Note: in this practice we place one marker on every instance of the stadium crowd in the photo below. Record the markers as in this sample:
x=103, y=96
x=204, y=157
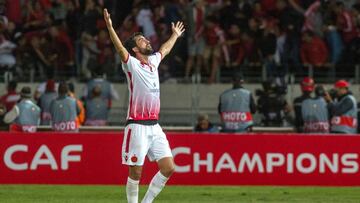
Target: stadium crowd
x=69, y=38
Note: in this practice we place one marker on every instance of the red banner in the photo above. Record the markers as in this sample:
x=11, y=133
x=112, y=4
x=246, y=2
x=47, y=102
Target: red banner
x=201, y=159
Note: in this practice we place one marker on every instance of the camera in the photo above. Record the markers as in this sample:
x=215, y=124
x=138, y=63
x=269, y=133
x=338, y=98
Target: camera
x=320, y=91
x=270, y=88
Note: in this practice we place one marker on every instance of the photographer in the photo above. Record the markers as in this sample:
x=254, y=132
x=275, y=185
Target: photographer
x=344, y=110
x=236, y=107
x=307, y=87
x=272, y=104
x=315, y=114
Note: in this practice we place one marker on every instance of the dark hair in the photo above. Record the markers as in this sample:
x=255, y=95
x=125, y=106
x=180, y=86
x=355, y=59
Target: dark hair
x=130, y=43
x=96, y=91
x=12, y=85
x=98, y=71
x=63, y=88
x=320, y=91
x=71, y=87
x=238, y=76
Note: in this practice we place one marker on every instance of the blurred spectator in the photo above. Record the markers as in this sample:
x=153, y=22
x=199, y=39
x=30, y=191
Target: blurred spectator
x=11, y=97
x=41, y=88
x=64, y=111
x=344, y=110
x=97, y=109
x=91, y=14
x=25, y=115
x=105, y=57
x=215, y=47
x=345, y=22
x=334, y=42
x=287, y=16
x=108, y=91
x=232, y=13
x=313, y=50
x=204, y=125
x=3, y=125
x=267, y=47
x=58, y=10
x=7, y=58
x=36, y=17
x=14, y=10
x=64, y=50
x=80, y=119
x=307, y=87
x=45, y=100
x=196, y=13
x=73, y=19
x=236, y=107
x=89, y=21
x=313, y=19
x=144, y=20
x=128, y=27
x=42, y=56
x=315, y=113
x=272, y=105
x=236, y=50
x=252, y=58
x=90, y=52
x=356, y=14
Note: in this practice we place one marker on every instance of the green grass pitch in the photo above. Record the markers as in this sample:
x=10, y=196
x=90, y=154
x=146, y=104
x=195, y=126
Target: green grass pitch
x=177, y=194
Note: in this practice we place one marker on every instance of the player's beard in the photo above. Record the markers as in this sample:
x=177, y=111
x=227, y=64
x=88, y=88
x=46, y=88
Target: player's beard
x=146, y=51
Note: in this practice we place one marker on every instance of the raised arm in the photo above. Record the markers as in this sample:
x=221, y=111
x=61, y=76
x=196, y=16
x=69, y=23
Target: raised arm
x=124, y=54
x=177, y=30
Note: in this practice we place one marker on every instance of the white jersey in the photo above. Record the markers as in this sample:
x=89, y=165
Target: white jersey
x=144, y=89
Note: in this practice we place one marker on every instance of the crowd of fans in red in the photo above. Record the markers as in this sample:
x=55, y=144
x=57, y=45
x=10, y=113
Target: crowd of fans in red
x=68, y=38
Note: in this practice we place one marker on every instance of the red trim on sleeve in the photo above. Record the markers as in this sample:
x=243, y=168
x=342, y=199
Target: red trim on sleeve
x=161, y=56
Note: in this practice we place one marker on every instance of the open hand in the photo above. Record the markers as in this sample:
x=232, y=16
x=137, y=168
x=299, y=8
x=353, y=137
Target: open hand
x=107, y=18
x=178, y=28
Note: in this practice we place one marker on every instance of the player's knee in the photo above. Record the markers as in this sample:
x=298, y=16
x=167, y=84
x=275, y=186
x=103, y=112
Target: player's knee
x=168, y=171
x=135, y=174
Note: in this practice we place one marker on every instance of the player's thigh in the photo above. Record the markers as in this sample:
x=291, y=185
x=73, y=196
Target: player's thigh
x=135, y=145
x=159, y=147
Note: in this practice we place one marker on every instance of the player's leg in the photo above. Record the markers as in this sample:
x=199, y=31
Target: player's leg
x=161, y=152
x=135, y=147
x=166, y=166
x=132, y=184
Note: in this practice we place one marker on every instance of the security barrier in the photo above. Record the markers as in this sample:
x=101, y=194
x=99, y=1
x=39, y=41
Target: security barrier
x=201, y=159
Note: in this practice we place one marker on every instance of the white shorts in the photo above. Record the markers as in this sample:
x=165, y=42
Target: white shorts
x=141, y=140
